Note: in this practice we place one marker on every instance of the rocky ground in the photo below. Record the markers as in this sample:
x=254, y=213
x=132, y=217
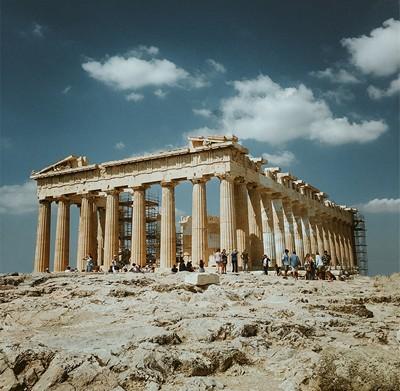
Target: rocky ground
x=154, y=332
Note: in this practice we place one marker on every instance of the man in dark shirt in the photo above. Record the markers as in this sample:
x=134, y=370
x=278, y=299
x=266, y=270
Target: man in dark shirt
x=234, y=258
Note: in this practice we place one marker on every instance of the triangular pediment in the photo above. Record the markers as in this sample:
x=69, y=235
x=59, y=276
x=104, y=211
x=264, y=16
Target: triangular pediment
x=67, y=163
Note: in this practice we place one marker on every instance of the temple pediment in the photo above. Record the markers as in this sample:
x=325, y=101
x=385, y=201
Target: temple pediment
x=67, y=163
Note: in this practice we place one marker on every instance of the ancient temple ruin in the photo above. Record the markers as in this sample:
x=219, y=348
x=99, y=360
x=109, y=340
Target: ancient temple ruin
x=262, y=209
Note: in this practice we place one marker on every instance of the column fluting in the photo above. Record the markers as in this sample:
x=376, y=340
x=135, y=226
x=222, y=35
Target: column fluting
x=288, y=225
x=255, y=227
x=138, y=242
x=268, y=226
x=85, y=229
x=61, y=248
x=279, y=230
x=242, y=218
x=101, y=224
x=227, y=214
x=168, y=229
x=111, y=232
x=42, y=252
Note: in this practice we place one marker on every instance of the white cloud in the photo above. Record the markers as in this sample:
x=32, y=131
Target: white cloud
x=265, y=111
x=377, y=54
x=66, y=90
x=284, y=158
x=37, y=30
x=144, y=50
x=218, y=67
x=339, y=76
x=377, y=93
x=160, y=93
x=119, y=145
x=383, y=205
x=339, y=96
x=18, y=199
x=203, y=113
x=133, y=73
x=134, y=97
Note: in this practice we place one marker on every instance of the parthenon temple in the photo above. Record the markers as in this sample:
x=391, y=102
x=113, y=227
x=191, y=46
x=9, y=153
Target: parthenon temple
x=262, y=209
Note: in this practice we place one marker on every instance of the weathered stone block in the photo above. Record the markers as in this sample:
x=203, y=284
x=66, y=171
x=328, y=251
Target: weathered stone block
x=202, y=278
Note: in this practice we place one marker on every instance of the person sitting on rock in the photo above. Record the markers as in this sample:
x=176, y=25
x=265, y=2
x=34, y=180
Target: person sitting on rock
x=201, y=266
x=189, y=267
x=68, y=269
x=182, y=266
x=174, y=269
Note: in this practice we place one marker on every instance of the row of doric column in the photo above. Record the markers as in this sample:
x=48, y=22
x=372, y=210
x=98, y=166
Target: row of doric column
x=251, y=218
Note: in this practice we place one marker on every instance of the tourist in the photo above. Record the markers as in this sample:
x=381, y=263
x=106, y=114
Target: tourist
x=285, y=262
x=68, y=269
x=320, y=267
x=189, y=266
x=307, y=266
x=89, y=263
x=182, y=266
x=217, y=259
x=294, y=264
x=265, y=262
x=224, y=261
x=277, y=269
x=245, y=260
x=326, y=259
x=234, y=258
x=174, y=269
x=47, y=270
x=201, y=266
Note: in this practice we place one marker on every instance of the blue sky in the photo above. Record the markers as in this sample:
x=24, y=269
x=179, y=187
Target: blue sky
x=313, y=86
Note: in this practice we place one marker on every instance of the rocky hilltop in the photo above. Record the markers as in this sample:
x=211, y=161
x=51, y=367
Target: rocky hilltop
x=154, y=332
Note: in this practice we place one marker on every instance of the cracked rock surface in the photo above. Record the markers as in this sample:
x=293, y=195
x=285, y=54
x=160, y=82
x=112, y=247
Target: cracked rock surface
x=154, y=332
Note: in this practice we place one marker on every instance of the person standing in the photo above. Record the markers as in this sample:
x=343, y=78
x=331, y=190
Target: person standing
x=245, y=260
x=265, y=261
x=217, y=258
x=201, y=266
x=224, y=261
x=294, y=264
x=285, y=262
x=320, y=267
x=234, y=258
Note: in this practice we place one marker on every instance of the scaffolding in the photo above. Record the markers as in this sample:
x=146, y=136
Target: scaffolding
x=152, y=226
x=360, y=241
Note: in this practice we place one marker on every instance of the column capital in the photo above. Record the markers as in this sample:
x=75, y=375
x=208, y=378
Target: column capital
x=202, y=179
x=140, y=187
x=46, y=201
x=253, y=186
x=168, y=183
x=226, y=176
x=63, y=198
x=112, y=191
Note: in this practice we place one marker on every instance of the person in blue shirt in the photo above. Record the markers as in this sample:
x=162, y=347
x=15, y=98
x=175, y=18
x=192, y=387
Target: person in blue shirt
x=294, y=264
x=285, y=262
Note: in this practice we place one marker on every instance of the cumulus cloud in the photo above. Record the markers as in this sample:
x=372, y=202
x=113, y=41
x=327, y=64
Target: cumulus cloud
x=377, y=54
x=378, y=93
x=283, y=158
x=119, y=145
x=339, y=76
x=134, y=97
x=382, y=205
x=217, y=67
x=18, y=199
x=139, y=68
x=203, y=113
x=160, y=93
x=339, y=96
x=265, y=111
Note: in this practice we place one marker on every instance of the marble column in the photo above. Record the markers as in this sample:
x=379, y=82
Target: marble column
x=242, y=218
x=342, y=245
x=199, y=222
x=93, y=232
x=268, y=226
x=350, y=236
x=279, y=230
x=313, y=235
x=227, y=214
x=111, y=231
x=332, y=246
x=320, y=236
x=85, y=228
x=298, y=234
x=325, y=233
x=61, y=251
x=288, y=224
x=101, y=224
x=339, y=257
x=138, y=242
x=255, y=227
x=168, y=229
x=305, y=229
x=42, y=253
